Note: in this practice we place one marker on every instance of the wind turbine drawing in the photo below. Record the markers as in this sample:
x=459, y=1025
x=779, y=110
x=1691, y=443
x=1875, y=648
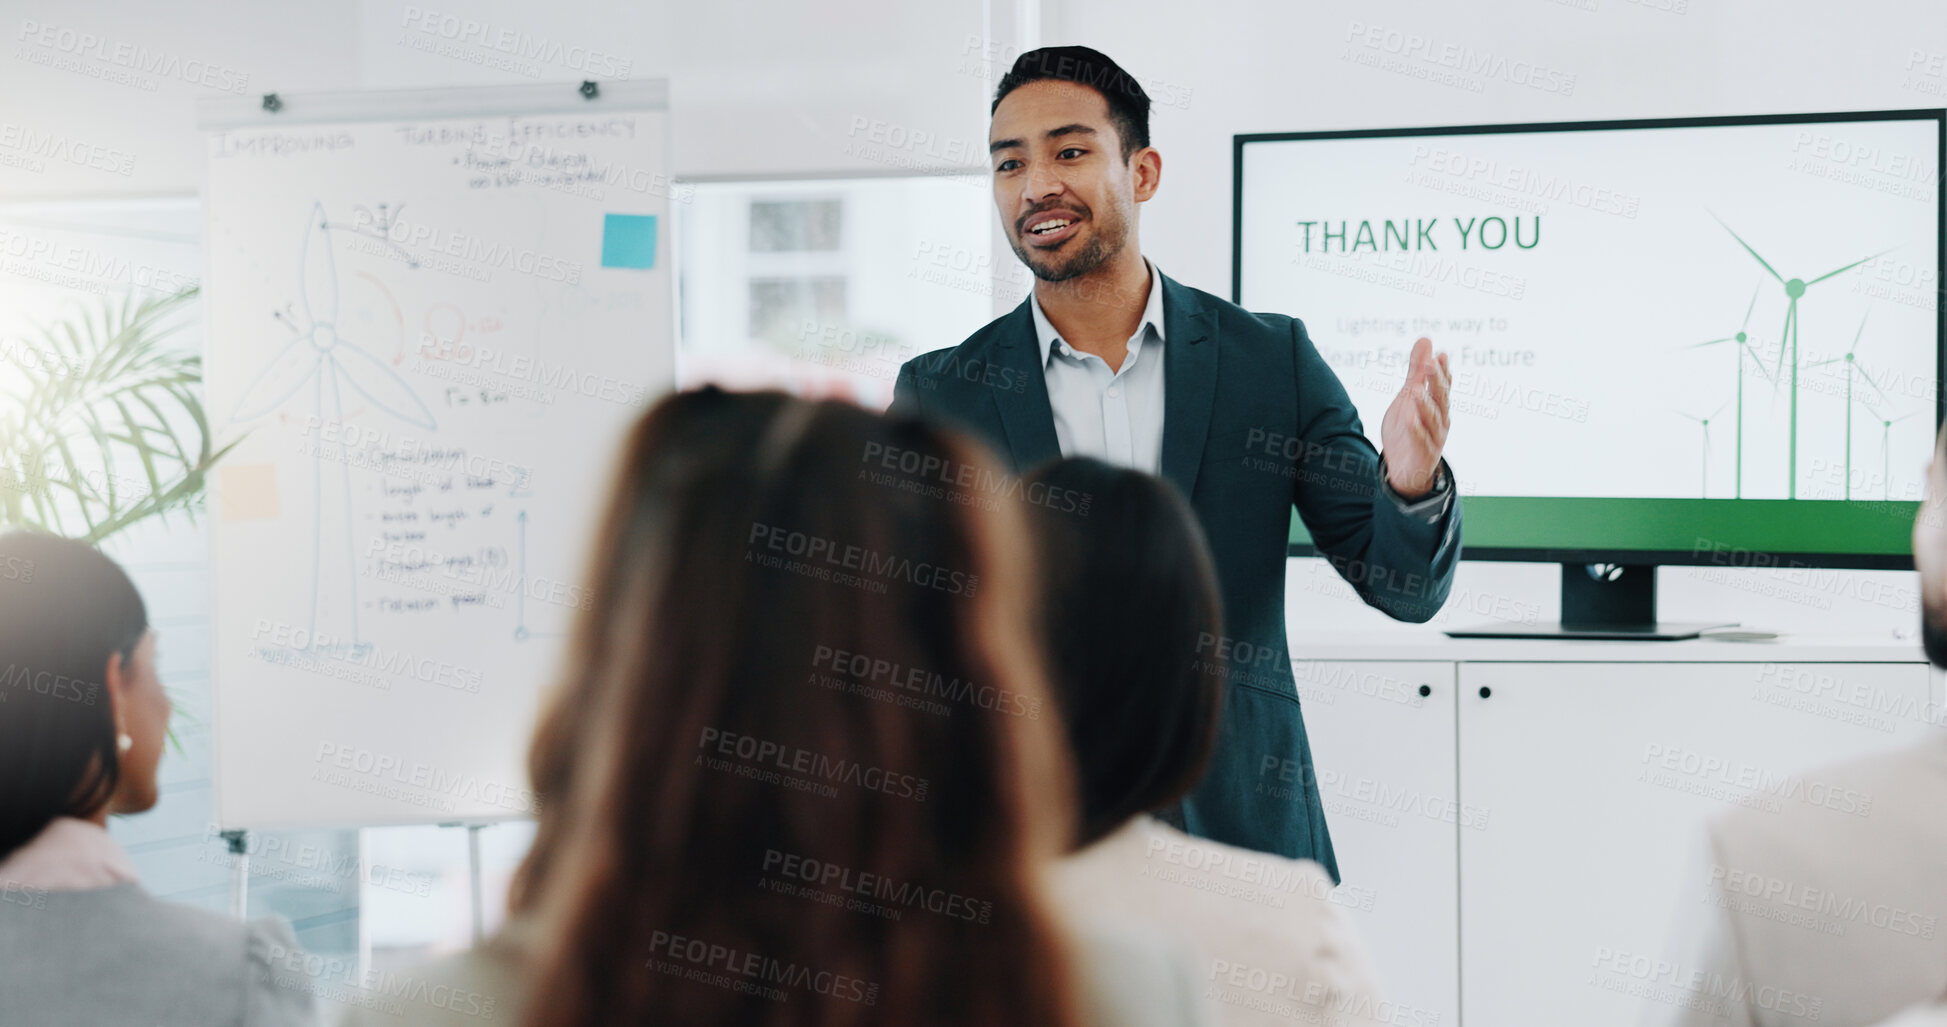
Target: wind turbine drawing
x=1744, y=344
x=327, y=361
x=1704, y=423
x=1854, y=370
x=1788, y=338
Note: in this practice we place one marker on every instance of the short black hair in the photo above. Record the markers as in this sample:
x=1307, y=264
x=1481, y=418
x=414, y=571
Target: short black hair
x=1128, y=104
x=64, y=609
x=1128, y=600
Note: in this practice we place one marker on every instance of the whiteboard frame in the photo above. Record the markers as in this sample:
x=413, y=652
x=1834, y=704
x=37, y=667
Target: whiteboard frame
x=216, y=113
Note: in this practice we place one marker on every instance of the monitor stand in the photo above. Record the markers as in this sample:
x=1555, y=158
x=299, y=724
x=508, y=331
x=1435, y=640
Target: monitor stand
x=1601, y=601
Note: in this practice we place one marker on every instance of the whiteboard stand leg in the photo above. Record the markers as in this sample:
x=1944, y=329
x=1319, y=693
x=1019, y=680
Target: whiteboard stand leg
x=473, y=871
x=239, y=842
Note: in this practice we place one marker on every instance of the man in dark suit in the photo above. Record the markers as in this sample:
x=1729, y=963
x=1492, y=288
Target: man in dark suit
x=1110, y=358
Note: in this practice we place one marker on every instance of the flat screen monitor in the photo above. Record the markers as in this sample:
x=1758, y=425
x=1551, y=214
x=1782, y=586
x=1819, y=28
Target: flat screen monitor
x=1698, y=340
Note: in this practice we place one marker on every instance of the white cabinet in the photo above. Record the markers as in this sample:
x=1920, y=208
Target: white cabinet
x=1593, y=780
x=1498, y=851
x=1384, y=754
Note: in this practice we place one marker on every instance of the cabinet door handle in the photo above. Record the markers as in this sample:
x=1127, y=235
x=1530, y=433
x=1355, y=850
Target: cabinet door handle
x=1486, y=691
x=1426, y=690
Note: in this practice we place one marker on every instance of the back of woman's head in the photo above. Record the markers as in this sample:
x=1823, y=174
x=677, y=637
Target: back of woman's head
x=64, y=608
x=775, y=787
x=1131, y=619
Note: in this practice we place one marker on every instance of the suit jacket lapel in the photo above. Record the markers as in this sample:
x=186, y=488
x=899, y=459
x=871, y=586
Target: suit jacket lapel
x=1190, y=382
x=1027, y=417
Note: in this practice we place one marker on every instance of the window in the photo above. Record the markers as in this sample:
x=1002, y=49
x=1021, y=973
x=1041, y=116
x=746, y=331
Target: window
x=825, y=288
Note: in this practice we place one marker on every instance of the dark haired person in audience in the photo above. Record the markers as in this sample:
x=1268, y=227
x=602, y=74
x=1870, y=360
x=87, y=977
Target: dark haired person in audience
x=799, y=768
x=83, y=719
x=1833, y=909
x=1128, y=609
x=1110, y=358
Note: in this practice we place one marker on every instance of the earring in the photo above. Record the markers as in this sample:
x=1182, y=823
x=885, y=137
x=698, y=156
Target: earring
x=124, y=743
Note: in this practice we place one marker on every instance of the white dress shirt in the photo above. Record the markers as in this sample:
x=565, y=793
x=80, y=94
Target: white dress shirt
x=1113, y=415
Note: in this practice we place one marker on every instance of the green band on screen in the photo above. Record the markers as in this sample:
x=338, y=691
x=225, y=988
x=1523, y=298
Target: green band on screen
x=1858, y=527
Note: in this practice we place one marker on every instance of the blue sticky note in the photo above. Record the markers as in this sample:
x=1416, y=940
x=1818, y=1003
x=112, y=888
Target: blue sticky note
x=629, y=240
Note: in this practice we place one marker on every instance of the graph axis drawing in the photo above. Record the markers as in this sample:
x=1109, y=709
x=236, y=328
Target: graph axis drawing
x=319, y=356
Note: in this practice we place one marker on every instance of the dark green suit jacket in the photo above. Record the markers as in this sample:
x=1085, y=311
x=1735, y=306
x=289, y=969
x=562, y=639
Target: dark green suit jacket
x=1254, y=422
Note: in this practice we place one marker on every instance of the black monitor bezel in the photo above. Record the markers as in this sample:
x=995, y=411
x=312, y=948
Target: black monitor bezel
x=1675, y=557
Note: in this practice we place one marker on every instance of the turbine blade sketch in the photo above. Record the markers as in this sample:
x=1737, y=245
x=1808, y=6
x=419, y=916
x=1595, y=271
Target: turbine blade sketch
x=319, y=272
x=1848, y=267
x=380, y=384
x=279, y=380
x=1753, y=306
x=1791, y=319
x=1747, y=248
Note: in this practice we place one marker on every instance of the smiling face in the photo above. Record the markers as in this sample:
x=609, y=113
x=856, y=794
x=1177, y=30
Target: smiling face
x=1067, y=198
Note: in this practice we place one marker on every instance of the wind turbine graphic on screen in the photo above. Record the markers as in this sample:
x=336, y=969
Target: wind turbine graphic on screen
x=329, y=363
x=1744, y=344
x=1885, y=453
x=1704, y=423
x=1788, y=339
x=1853, y=370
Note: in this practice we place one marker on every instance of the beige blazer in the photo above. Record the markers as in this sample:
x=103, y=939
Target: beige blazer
x=1268, y=944
x=1127, y=980
x=1830, y=910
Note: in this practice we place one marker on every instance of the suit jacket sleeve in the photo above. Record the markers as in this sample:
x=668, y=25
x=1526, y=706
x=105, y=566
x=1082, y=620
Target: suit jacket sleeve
x=1397, y=562
x=905, y=390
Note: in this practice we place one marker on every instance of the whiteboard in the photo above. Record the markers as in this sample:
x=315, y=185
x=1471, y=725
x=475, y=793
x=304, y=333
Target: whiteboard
x=431, y=318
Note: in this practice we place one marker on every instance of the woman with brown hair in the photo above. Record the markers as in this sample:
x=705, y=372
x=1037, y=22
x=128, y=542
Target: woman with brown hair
x=801, y=767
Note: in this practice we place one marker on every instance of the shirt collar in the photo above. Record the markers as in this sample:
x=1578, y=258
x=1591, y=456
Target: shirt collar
x=1045, y=334
x=70, y=854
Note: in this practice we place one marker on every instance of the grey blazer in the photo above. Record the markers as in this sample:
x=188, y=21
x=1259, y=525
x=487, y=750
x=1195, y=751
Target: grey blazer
x=120, y=956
